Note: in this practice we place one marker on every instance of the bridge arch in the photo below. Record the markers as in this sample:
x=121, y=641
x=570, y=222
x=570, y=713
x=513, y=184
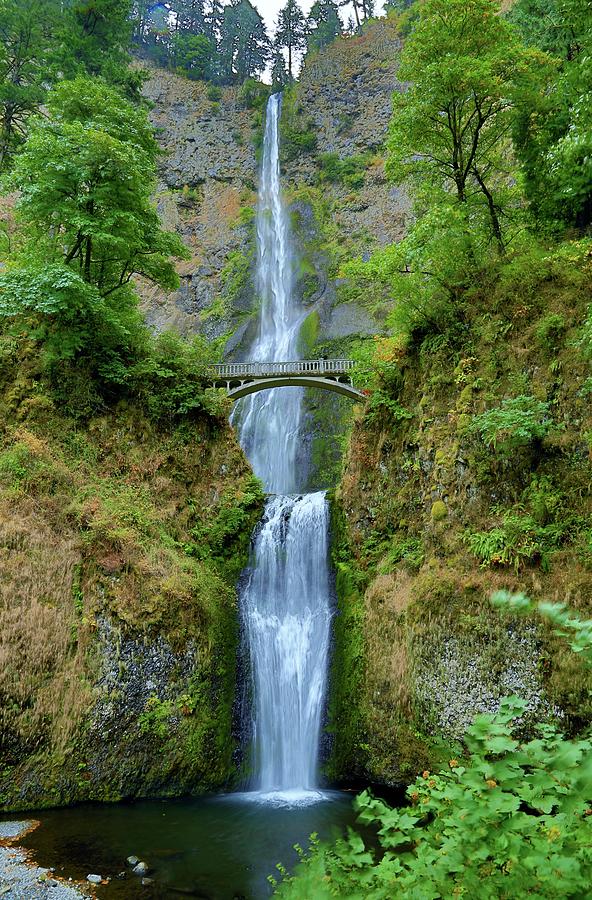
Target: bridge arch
x=264, y=384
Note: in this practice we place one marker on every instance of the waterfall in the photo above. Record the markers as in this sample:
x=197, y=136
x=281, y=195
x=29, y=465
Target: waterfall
x=285, y=598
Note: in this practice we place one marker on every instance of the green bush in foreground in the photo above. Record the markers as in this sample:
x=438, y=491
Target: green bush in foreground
x=513, y=819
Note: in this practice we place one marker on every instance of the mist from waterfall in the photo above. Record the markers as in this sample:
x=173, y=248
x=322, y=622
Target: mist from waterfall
x=285, y=600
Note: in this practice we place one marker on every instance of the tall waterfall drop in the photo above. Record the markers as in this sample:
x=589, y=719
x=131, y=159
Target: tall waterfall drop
x=285, y=602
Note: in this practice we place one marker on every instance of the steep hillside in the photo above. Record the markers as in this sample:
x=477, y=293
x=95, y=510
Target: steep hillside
x=429, y=521
x=122, y=536
x=334, y=125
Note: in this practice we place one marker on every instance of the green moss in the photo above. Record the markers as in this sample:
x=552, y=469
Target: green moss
x=439, y=511
x=309, y=333
x=345, y=714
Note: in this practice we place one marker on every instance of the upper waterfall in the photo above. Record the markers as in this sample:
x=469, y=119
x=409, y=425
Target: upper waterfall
x=270, y=421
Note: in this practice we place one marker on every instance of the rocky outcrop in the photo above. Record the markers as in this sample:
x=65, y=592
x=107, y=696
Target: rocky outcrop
x=208, y=175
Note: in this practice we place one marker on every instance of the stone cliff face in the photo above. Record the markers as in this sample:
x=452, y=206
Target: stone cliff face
x=208, y=180
x=209, y=175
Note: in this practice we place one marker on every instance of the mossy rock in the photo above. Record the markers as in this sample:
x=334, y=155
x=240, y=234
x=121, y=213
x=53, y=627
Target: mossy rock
x=439, y=511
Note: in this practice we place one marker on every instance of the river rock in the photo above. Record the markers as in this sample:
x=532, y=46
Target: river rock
x=94, y=879
x=140, y=869
x=133, y=860
x=147, y=881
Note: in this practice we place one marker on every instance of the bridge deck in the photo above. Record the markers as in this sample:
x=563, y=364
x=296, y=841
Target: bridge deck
x=273, y=369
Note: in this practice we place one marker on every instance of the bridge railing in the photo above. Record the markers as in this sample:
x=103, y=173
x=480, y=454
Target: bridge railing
x=296, y=367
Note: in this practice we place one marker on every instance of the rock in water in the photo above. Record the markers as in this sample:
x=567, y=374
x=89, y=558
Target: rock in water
x=94, y=879
x=140, y=869
x=132, y=860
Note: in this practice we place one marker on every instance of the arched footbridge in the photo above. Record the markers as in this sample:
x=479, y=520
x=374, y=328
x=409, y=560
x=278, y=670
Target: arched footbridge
x=241, y=379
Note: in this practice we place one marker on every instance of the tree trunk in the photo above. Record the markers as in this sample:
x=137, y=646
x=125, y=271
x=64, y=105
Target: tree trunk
x=495, y=223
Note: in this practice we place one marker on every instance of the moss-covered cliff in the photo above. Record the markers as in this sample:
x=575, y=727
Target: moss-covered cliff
x=440, y=504
x=121, y=540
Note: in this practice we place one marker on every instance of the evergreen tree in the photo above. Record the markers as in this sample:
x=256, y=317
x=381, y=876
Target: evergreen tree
x=279, y=73
x=244, y=44
x=291, y=31
x=213, y=18
x=189, y=16
x=96, y=38
x=324, y=24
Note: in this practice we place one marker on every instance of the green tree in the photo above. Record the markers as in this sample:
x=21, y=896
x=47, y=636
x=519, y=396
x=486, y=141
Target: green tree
x=554, y=134
x=244, y=45
x=93, y=37
x=324, y=24
x=85, y=176
x=279, y=73
x=25, y=30
x=451, y=128
x=193, y=55
x=291, y=31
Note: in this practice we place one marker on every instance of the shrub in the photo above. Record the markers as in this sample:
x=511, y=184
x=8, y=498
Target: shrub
x=253, y=94
x=549, y=330
x=518, y=540
x=171, y=379
x=349, y=171
x=518, y=422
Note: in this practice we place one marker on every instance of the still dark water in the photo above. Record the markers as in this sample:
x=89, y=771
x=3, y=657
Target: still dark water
x=217, y=848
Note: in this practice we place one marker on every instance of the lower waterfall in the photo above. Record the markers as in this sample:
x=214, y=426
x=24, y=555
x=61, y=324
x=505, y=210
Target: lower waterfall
x=287, y=616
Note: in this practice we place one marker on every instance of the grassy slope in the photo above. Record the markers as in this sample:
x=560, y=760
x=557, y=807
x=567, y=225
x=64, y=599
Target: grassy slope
x=115, y=520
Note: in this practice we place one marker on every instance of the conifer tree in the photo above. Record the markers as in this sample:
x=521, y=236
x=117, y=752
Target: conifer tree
x=324, y=24
x=291, y=31
x=244, y=43
x=279, y=73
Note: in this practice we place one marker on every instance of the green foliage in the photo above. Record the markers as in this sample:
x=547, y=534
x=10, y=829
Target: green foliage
x=86, y=176
x=214, y=93
x=324, y=25
x=253, y=94
x=290, y=33
x=349, y=172
x=409, y=551
x=380, y=406
x=155, y=719
x=220, y=537
x=512, y=819
x=45, y=41
x=518, y=422
x=425, y=273
x=549, y=331
x=553, y=134
x=171, y=377
x=449, y=130
x=296, y=142
x=193, y=55
x=519, y=540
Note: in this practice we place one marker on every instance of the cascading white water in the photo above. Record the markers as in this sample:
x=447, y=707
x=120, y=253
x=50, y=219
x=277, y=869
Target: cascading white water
x=269, y=421
x=285, y=601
